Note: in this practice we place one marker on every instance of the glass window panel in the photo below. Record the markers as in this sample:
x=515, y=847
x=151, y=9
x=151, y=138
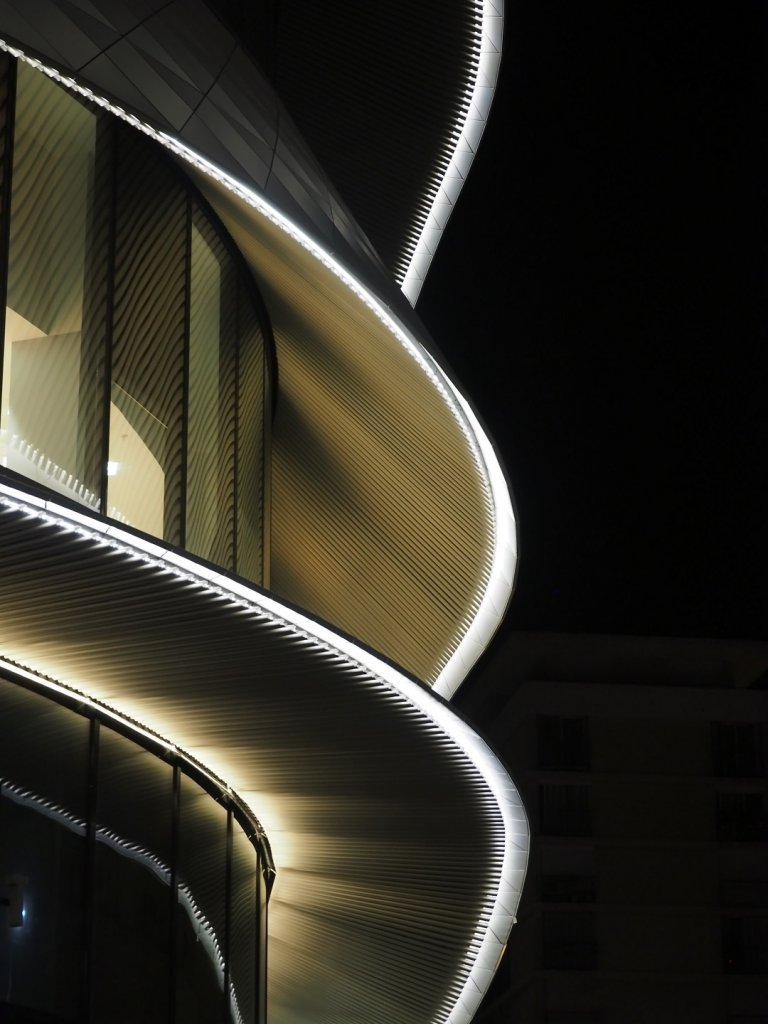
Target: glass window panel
x=739, y=749
x=568, y=939
x=132, y=919
x=563, y=743
x=251, y=459
x=564, y=810
x=202, y=906
x=52, y=392
x=245, y=914
x=144, y=471
x=261, y=987
x=211, y=412
x=43, y=796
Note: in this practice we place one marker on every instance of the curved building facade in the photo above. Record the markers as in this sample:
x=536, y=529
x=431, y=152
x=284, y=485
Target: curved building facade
x=251, y=540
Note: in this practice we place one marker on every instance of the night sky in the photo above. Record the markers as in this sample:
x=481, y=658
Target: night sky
x=601, y=295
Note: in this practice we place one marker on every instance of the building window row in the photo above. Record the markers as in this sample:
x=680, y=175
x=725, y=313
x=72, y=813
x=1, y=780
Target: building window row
x=131, y=887
x=563, y=743
x=135, y=347
x=738, y=749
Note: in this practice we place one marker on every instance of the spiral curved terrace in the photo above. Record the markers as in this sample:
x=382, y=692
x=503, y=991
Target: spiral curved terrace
x=317, y=532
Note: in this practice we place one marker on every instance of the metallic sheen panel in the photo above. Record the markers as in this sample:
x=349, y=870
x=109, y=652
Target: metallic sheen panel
x=399, y=840
x=400, y=843
x=441, y=510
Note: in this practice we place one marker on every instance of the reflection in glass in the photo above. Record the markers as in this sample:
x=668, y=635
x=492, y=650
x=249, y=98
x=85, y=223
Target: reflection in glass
x=211, y=412
x=148, y=341
x=202, y=906
x=54, y=318
x=251, y=447
x=127, y=313
x=243, y=938
x=43, y=798
x=261, y=971
x=131, y=936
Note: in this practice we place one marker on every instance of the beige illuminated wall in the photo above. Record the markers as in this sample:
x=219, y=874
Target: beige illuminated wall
x=380, y=522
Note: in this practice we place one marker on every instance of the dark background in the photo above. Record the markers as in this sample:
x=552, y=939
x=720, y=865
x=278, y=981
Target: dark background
x=600, y=293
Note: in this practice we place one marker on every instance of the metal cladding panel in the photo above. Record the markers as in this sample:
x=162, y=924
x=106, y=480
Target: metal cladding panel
x=389, y=841
x=400, y=860
x=414, y=510
x=394, y=103
x=380, y=521
x=209, y=96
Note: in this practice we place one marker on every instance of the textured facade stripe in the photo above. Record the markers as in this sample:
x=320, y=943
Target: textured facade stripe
x=385, y=329
x=480, y=85
x=168, y=651
x=461, y=601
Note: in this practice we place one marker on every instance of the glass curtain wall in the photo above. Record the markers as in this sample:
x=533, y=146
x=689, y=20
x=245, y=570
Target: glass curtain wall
x=54, y=319
x=134, y=363
x=129, y=891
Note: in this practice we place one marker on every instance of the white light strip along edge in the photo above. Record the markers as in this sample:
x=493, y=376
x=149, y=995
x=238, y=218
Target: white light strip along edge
x=446, y=192
x=498, y=589
x=488, y=944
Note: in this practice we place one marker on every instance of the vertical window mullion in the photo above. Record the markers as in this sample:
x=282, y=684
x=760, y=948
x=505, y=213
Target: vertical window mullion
x=227, y=916
x=173, y=894
x=8, y=100
x=185, y=400
x=111, y=141
x=90, y=866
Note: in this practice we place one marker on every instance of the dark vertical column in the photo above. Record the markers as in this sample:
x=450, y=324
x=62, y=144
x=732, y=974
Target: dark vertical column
x=148, y=351
x=90, y=867
x=227, y=943
x=97, y=314
x=250, y=443
x=7, y=95
x=173, y=896
x=182, y=539
x=261, y=955
x=211, y=388
x=107, y=140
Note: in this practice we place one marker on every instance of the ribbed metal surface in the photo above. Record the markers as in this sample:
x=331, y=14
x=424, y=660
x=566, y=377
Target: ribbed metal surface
x=380, y=524
x=377, y=91
x=47, y=160
x=388, y=841
x=149, y=324
x=175, y=66
x=252, y=440
x=363, y=564
x=211, y=377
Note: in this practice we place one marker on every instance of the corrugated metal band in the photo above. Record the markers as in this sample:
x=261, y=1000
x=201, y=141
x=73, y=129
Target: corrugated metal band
x=381, y=523
x=387, y=839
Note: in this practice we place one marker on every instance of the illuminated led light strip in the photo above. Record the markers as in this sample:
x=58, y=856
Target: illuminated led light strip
x=82, y=698
x=443, y=195
x=494, y=924
x=493, y=602
x=103, y=711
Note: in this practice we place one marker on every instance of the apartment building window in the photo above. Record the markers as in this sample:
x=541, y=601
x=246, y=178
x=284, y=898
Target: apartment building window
x=568, y=940
x=744, y=892
x=740, y=817
x=738, y=749
x=575, y=1017
x=745, y=944
x=568, y=888
x=564, y=810
x=563, y=743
